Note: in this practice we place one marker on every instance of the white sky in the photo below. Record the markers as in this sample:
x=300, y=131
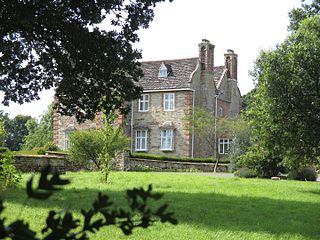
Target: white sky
x=245, y=26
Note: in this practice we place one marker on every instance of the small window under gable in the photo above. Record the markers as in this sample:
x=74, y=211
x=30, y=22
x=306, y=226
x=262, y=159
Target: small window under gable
x=164, y=70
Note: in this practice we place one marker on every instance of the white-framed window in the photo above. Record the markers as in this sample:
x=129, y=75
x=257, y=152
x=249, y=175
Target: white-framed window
x=163, y=71
x=166, y=139
x=141, y=140
x=220, y=112
x=144, y=103
x=168, y=102
x=67, y=143
x=224, y=145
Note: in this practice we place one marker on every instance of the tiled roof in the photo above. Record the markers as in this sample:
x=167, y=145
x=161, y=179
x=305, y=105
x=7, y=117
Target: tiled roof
x=180, y=71
x=179, y=74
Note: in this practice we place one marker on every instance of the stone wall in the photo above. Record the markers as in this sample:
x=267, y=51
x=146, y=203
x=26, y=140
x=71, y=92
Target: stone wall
x=135, y=164
x=34, y=163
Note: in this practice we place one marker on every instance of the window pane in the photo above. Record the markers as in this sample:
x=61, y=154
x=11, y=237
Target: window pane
x=166, y=139
x=144, y=102
x=224, y=144
x=143, y=143
x=166, y=105
x=67, y=140
x=169, y=101
x=141, y=140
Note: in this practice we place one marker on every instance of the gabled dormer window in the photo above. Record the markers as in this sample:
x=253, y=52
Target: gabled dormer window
x=163, y=70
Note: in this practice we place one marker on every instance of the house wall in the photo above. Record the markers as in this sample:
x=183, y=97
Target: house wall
x=202, y=83
x=156, y=117
x=67, y=123
x=205, y=89
x=230, y=100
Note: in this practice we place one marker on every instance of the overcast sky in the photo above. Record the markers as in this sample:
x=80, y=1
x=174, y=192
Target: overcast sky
x=246, y=26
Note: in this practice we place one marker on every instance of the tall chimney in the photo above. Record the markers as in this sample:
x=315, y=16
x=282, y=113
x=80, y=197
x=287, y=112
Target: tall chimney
x=206, y=55
x=231, y=63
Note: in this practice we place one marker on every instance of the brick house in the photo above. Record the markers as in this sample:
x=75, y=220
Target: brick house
x=172, y=89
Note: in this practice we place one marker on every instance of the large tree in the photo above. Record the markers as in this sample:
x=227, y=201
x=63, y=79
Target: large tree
x=42, y=133
x=17, y=130
x=61, y=44
x=247, y=99
x=297, y=15
x=3, y=133
x=285, y=113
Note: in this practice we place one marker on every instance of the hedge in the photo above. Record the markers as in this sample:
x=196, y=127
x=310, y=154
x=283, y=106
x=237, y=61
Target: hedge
x=173, y=158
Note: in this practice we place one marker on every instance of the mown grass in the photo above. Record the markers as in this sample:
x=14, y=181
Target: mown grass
x=206, y=207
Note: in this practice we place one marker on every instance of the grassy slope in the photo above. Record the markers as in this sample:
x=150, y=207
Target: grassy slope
x=206, y=207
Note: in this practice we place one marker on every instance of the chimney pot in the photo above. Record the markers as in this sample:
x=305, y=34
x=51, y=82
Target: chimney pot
x=206, y=55
x=231, y=63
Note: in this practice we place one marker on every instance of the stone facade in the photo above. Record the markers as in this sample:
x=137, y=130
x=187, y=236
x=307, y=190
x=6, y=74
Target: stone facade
x=191, y=83
x=156, y=119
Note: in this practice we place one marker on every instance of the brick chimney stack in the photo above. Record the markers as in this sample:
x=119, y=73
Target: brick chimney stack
x=231, y=63
x=206, y=55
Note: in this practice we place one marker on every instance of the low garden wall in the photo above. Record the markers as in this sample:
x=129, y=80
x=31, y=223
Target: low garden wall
x=34, y=163
x=60, y=163
x=136, y=164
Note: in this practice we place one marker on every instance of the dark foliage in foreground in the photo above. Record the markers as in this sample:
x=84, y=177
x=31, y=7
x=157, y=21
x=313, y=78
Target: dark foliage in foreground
x=45, y=44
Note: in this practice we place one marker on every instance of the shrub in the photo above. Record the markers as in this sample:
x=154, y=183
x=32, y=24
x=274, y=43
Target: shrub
x=305, y=174
x=245, y=173
x=40, y=150
x=3, y=150
x=50, y=146
x=99, y=146
x=261, y=161
x=8, y=173
x=114, y=141
x=86, y=146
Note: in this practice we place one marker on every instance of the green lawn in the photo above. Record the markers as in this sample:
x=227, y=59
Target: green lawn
x=206, y=207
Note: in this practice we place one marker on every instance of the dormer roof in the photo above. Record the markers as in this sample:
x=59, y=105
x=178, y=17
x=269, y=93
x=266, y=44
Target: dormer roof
x=164, y=70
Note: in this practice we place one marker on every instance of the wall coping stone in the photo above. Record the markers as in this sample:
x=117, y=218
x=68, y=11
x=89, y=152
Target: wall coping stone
x=40, y=156
x=178, y=162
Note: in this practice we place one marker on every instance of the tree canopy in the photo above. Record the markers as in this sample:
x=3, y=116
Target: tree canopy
x=285, y=111
x=297, y=15
x=61, y=44
x=16, y=130
x=42, y=133
x=3, y=133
